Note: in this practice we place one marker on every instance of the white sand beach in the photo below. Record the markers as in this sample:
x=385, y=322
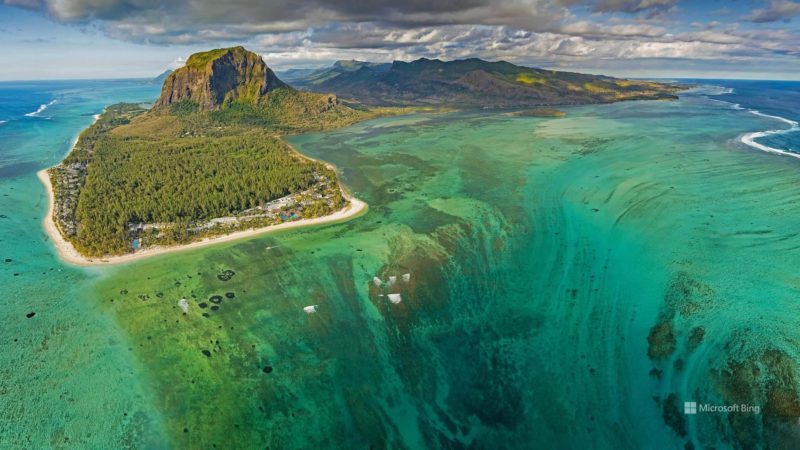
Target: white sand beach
x=69, y=254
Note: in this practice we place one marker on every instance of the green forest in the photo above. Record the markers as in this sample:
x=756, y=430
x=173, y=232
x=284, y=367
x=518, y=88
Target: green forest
x=205, y=159
x=177, y=170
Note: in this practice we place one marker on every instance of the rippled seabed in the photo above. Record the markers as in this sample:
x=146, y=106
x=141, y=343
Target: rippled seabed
x=573, y=282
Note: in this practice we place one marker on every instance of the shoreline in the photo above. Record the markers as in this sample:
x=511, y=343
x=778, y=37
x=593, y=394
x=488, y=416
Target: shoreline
x=67, y=252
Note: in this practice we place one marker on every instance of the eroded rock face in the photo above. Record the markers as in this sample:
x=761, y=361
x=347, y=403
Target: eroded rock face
x=216, y=77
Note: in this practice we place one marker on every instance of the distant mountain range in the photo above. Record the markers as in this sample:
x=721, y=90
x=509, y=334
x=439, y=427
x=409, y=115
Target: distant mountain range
x=308, y=78
x=163, y=76
x=471, y=83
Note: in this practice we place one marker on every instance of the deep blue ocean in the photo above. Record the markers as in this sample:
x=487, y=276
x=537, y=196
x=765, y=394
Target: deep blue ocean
x=775, y=98
x=39, y=120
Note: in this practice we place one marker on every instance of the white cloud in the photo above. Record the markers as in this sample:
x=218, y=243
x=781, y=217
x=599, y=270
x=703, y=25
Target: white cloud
x=546, y=32
x=177, y=63
x=777, y=10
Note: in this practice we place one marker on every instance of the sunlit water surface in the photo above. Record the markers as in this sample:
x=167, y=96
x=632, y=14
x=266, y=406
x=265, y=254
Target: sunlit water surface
x=542, y=253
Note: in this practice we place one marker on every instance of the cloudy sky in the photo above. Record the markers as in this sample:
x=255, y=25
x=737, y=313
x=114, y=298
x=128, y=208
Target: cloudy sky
x=59, y=39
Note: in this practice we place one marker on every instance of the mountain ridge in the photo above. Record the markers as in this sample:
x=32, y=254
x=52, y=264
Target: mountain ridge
x=306, y=78
x=161, y=77
x=474, y=82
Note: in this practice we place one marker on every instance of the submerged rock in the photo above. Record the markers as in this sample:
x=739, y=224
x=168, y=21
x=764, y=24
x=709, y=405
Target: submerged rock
x=661, y=340
x=686, y=295
x=696, y=336
x=768, y=381
x=672, y=415
x=226, y=275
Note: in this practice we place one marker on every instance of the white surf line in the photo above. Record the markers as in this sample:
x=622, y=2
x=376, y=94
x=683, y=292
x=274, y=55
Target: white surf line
x=732, y=105
x=41, y=109
x=710, y=89
x=750, y=138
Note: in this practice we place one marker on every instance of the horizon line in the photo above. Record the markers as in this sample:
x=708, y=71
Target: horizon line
x=660, y=77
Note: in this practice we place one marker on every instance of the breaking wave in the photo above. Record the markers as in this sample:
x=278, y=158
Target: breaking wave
x=41, y=109
x=750, y=138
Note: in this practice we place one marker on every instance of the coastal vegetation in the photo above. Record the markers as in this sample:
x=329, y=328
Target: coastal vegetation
x=159, y=179
x=199, y=165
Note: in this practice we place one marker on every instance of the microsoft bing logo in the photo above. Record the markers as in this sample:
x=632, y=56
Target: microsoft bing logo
x=690, y=407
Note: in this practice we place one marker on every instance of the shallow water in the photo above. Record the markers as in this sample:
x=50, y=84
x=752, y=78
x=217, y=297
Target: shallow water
x=67, y=378
x=541, y=251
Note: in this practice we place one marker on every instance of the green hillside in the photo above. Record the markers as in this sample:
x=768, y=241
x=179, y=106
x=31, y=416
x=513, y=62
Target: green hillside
x=475, y=83
x=206, y=159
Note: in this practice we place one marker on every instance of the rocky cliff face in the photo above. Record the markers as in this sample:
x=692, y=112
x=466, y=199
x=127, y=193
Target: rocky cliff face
x=217, y=77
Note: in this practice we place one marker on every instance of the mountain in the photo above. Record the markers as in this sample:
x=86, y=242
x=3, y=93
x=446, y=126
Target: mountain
x=208, y=149
x=217, y=77
x=237, y=87
x=308, y=78
x=160, y=78
x=478, y=83
x=293, y=76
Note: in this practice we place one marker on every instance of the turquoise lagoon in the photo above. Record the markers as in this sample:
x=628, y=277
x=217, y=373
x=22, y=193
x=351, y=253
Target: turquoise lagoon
x=573, y=281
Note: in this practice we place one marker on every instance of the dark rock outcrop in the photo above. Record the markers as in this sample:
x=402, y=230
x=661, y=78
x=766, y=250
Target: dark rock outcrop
x=214, y=78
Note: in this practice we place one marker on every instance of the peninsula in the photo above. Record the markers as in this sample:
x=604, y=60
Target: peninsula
x=206, y=163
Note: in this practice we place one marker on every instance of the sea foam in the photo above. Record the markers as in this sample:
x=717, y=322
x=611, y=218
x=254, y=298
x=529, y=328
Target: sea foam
x=41, y=109
x=710, y=89
x=750, y=138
